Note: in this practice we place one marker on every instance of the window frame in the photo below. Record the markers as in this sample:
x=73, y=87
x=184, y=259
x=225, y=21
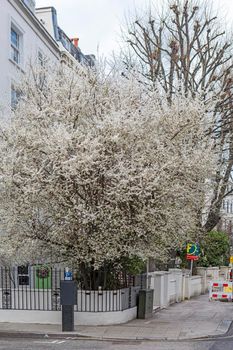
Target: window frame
x=16, y=48
x=41, y=58
x=17, y=93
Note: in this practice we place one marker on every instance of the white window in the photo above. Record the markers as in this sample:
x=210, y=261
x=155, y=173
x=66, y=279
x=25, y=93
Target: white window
x=16, y=45
x=40, y=58
x=15, y=96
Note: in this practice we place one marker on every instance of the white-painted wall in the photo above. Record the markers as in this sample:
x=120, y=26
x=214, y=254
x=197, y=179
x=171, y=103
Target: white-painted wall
x=201, y=271
x=176, y=285
x=80, y=318
x=224, y=272
x=212, y=272
x=34, y=38
x=193, y=286
x=172, y=286
x=159, y=282
x=177, y=275
x=105, y=318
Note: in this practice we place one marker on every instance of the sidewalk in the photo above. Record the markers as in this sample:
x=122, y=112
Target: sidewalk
x=190, y=319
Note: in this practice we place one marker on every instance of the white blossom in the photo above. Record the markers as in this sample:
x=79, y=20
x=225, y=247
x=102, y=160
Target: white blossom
x=94, y=168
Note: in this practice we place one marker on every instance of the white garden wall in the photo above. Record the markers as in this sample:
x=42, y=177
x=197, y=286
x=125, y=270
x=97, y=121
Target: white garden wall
x=202, y=271
x=192, y=286
x=159, y=282
x=176, y=285
x=80, y=318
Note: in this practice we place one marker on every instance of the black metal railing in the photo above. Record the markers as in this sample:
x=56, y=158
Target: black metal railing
x=38, y=288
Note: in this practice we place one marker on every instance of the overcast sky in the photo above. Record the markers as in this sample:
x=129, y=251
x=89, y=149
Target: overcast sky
x=97, y=22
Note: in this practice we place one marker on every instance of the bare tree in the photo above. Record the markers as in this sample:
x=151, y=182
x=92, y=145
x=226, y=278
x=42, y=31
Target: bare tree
x=187, y=51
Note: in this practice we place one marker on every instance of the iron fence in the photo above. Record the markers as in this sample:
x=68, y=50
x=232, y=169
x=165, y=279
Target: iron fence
x=38, y=288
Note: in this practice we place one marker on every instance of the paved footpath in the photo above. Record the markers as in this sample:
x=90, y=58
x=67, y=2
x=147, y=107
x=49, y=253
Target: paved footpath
x=195, y=318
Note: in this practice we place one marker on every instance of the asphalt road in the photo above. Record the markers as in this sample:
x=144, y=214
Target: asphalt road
x=220, y=343
x=75, y=344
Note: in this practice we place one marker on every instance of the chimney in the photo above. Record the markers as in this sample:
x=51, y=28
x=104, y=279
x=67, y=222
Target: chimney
x=75, y=41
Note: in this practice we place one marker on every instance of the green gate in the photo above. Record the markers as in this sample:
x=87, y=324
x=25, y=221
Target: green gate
x=43, y=278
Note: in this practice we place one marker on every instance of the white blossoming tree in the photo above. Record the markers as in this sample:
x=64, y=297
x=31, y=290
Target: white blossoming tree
x=96, y=168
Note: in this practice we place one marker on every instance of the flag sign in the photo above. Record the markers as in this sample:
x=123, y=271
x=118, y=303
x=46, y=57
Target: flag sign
x=193, y=251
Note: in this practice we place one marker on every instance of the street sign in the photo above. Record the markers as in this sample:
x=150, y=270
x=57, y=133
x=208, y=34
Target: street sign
x=231, y=259
x=68, y=276
x=193, y=251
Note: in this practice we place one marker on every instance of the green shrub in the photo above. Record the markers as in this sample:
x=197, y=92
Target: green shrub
x=215, y=247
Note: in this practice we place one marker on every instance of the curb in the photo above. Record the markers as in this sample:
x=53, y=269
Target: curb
x=39, y=335
x=76, y=336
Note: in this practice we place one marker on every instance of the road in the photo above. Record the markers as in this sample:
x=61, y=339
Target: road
x=77, y=344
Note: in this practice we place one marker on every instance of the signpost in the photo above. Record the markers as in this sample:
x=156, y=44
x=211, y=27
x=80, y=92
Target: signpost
x=193, y=252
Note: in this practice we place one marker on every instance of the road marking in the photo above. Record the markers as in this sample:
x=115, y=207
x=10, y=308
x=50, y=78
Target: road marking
x=71, y=338
x=50, y=342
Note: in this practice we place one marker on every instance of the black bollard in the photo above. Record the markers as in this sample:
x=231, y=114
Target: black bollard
x=67, y=318
x=68, y=300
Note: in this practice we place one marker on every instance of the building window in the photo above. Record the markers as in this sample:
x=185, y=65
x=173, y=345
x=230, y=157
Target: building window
x=16, y=45
x=23, y=276
x=41, y=59
x=15, y=96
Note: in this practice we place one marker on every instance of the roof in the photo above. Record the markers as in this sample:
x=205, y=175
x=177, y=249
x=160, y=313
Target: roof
x=32, y=18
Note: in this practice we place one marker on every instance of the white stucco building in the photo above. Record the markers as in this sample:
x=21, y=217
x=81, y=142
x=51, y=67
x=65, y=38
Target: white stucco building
x=23, y=40
x=226, y=222
x=29, y=36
